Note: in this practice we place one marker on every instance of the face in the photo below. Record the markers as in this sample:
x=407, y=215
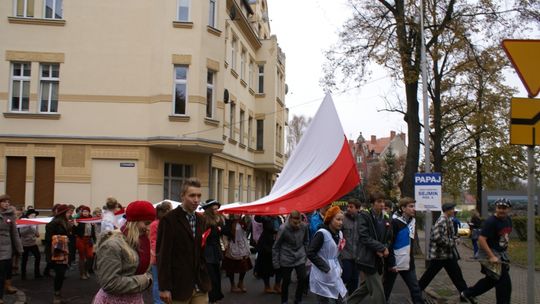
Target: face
x=501, y=211
x=295, y=221
x=214, y=209
x=69, y=213
x=4, y=204
x=191, y=198
x=352, y=210
x=409, y=210
x=144, y=227
x=32, y=215
x=85, y=213
x=378, y=206
x=18, y=213
x=337, y=221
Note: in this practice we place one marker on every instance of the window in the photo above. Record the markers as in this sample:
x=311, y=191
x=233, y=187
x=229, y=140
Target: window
x=250, y=74
x=250, y=131
x=20, y=86
x=243, y=65
x=174, y=176
x=210, y=78
x=233, y=53
x=261, y=79
x=212, y=14
x=49, y=87
x=24, y=8
x=260, y=134
x=232, y=120
x=242, y=117
x=248, y=199
x=183, y=10
x=277, y=137
x=240, y=187
x=180, y=89
x=53, y=9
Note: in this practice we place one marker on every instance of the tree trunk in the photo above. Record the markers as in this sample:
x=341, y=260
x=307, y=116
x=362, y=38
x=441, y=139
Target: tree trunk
x=479, y=187
x=413, y=130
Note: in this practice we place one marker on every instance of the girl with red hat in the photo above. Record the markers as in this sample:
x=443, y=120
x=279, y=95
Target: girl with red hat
x=85, y=234
x=123, y=258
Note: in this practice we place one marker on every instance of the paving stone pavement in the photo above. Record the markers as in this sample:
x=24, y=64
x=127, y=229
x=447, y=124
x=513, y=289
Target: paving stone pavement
x=442, y=285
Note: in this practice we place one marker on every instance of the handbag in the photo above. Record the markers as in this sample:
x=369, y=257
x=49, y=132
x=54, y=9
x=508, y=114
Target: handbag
x=239, y=249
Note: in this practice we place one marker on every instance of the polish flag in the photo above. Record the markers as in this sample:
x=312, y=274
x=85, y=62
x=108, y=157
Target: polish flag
x=320, y=170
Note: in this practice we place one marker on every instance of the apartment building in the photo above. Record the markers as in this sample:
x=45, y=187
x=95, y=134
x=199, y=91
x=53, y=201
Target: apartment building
x=128, y=98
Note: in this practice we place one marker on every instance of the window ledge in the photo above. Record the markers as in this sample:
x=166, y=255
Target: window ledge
x=211, y=122
x=214, y=31
x=260, y=95
x=243, y=83
x=259, y=151
x=241, y=145
x=251, y=149
x=234, y=73
x=51, y=116
x=181, y=118
x=37, y=21
x=182, y=24
x=251, y=92
x=279, y=155
x=232, y=141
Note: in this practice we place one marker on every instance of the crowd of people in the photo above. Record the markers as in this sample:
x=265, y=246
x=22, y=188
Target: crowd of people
x=341, y=256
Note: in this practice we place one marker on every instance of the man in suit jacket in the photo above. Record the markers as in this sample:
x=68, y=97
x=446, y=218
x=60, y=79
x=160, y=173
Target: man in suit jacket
x=182, y=273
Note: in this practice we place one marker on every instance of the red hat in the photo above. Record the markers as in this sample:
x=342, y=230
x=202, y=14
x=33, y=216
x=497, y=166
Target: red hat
x=330, y=213
x=139, y=211
x=83, y=207
x=61, y=208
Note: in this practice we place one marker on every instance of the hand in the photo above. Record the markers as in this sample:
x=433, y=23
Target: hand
x=165, y=296
x=494, y=259
x=386, y=252
x=380, y=254
x=392, y=269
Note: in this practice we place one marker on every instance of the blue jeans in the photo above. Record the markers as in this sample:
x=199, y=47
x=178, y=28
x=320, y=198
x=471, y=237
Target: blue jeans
x=155, y=287
x=409, y=276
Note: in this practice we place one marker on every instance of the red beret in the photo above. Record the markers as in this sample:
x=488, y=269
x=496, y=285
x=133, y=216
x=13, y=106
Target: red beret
x=83, y=207
x=139, y=211
x=330, y=213
x=61, y=208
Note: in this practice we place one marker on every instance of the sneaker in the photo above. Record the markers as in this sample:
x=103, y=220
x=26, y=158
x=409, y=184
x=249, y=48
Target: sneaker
x=464, y=298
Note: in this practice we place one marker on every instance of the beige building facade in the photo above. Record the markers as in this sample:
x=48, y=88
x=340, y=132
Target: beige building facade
x=128, y=98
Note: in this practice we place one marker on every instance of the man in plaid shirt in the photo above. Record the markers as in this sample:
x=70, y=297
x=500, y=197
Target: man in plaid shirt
x=443, y=252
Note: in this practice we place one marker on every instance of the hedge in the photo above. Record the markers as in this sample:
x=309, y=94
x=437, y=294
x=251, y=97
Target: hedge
x=519, y=224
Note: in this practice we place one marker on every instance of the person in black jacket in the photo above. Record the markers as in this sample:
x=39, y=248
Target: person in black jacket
x=263, y=264
x=374, y=236
x=212, y=248
x=56, y=248
x=85, y=238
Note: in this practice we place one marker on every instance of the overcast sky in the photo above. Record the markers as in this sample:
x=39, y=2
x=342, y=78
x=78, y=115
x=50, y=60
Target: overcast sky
x=305, y=28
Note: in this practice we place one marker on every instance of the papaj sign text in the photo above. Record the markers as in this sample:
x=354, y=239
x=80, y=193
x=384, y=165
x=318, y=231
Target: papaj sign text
x=428, y=191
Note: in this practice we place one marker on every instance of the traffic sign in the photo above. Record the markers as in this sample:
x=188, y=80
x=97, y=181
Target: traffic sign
x=524, y=56
x=525, y=121
x=428, y=191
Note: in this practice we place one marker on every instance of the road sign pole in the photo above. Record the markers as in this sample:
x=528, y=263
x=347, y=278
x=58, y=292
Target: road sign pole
x=530, y=226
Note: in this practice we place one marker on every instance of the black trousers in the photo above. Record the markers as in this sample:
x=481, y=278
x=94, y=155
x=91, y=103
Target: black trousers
x=409, y=276
x=214, y=273
x=59, y=275
x=350, y=275
x=37, y=258
x=452, y=269
x=503, y=286
x=301, y=276
x=5, y=274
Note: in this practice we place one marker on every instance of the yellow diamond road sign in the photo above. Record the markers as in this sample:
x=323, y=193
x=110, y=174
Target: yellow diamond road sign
x=525, y=121
x=525, y=57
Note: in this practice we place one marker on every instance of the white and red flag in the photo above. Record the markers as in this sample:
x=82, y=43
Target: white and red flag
x=320, y=170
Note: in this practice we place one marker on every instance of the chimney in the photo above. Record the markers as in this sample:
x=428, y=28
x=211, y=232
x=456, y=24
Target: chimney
x=402, y=135
x=373, y=139
x=392, y=134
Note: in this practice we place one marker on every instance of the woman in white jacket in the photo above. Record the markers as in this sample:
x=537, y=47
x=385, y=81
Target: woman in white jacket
x=323, y=251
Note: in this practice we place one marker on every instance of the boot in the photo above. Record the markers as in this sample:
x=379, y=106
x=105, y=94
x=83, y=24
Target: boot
x=277, y=288
x=235, y=289
x=8, y=288
x=90, y=266
x=241, y=286
x=82, y=271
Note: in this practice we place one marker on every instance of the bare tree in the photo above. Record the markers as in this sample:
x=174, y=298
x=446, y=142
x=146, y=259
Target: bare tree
x=297, y=127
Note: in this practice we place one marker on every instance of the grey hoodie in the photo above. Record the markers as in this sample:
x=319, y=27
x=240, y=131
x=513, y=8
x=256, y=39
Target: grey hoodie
x=9, y=236
x=289, y=249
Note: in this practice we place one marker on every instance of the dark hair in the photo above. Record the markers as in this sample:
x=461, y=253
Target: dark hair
x=190, y=182
x=404, y=201
x=375, y=196
x=162, y=209
x=111, y=203
x=355, y=202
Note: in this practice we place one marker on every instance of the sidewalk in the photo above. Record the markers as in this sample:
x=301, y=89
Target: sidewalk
x=442, y=289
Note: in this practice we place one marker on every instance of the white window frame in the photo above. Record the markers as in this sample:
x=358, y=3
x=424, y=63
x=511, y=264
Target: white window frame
x=210, y=100
x=25, y=9
x=53, y=81
x=212, y=13
x=250, y=131
x=260, y=78
x=250, y=74
x=243, y=64
x=21, y=79
x=54, y=12
x=180, y=81
x=178, y=3
x=232, y=118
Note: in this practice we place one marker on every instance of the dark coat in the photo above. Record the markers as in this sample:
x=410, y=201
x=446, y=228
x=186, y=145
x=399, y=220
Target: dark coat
x=56, y=226
x=79, y=230
x=180, y=258
x=370, y=242
x=212, y=250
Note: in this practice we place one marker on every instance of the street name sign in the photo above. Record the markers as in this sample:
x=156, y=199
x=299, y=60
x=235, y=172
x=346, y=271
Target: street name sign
x=428, y=191
x=524, y=56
